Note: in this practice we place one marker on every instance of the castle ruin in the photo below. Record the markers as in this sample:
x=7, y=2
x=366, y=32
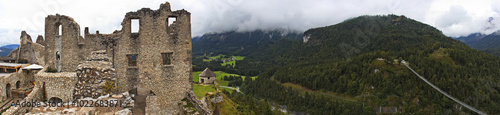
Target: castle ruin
x=154, y=62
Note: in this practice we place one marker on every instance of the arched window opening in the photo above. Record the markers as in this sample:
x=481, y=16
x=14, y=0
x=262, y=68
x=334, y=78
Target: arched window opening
x=58, y=55
x=18, y=85
x=55, y=100
x=59, y=28
x=7, y=90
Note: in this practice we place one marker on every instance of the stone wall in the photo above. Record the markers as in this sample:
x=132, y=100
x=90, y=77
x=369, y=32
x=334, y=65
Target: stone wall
x=40, y=40
x=39, y=53
x=10, y=80
x=66, y=43
x=93, y=74
x=35, y=94
x=23, y=77
x=169, y=82
x=72, y=47
x=155, y=40
x=207, y=80
x=199, y=105
x=98, y=41
x=152, y=106
x=59, y=85
x=27, y=77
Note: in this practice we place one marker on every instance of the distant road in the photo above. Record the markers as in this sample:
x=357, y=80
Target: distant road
x=237, y=89
x=444, y=93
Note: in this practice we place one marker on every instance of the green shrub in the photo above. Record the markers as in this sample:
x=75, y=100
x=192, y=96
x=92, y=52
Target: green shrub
x=51, y=70
x=109, y=87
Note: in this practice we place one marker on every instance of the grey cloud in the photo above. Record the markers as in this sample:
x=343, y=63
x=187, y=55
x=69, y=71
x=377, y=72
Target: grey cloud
x=296, y=15
x=455, y=15
x=209, y=16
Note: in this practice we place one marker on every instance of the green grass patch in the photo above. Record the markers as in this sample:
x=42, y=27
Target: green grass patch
x=228, y=107
x=196, y=77
x=218, y=56
x=234, y=61
x=221, y=57
x=200, y=90
x=220, y=75
x=229, y=63
x=239, y=57
x=253, y=77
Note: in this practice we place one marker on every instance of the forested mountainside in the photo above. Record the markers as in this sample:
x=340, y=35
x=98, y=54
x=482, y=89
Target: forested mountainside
x=234, y=42
x=359, y=60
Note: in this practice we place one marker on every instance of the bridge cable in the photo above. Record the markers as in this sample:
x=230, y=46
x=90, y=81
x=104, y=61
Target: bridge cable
x=444, y=93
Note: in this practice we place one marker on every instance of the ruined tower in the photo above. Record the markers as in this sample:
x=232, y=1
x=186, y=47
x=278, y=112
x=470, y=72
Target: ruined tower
x=62, y=35
x=157, y=57
x=64, y=45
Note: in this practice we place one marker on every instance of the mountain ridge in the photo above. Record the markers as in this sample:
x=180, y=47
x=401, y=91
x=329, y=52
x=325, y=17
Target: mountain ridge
x=5, y=50
x=11, y=46
x=482, y=41
x=486, y=43
x=362, y=56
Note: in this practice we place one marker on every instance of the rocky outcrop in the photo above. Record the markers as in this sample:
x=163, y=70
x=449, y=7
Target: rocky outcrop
x=201, y=106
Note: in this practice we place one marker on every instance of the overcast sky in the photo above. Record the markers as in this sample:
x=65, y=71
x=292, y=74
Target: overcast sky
x=454, y=17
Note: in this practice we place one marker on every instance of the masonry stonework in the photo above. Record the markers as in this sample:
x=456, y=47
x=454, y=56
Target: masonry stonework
x=157, y=59
x=64, y=46
x=155, y=40
x=8, y=84
x=95, y=77
x=56, y=85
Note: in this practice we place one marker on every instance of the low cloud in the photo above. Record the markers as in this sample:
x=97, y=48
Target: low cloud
x=454, y=18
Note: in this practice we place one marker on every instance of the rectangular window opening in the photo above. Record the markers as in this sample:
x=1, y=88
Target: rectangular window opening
x=171, y=20
x=167, y=58
x=134, y=26
x=132, y=59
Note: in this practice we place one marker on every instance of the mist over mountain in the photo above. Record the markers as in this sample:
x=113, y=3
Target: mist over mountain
x=231, y=42
x=194, y=39
x=489, y=43
x=472, y=38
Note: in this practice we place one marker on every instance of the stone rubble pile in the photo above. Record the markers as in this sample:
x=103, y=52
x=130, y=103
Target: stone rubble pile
x=127, y=100
x=92, y=76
